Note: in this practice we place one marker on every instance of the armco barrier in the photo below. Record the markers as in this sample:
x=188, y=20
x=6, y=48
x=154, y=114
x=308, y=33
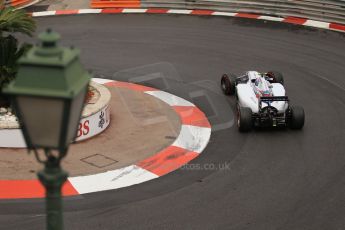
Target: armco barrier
x=331, y=11
x=321, y=10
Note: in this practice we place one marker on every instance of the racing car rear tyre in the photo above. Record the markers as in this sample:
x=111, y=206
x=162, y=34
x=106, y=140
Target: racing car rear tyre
x=277, y=77
x=244, y=119
x=228, y=84
x=297, y=117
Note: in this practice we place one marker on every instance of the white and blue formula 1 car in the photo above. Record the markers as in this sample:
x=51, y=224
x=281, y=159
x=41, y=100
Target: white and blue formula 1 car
x=261, y=101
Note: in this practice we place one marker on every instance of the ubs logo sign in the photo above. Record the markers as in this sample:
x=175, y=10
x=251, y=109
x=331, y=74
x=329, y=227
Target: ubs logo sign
x=101, y=120
x=104, y=117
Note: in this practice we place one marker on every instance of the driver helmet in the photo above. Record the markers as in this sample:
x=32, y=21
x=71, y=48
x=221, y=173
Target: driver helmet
x=261, y=87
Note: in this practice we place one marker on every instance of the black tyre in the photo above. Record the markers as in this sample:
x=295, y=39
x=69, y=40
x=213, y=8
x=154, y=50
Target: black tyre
x=277, y=77
x=228, y=84
x=297, y=117
x=244, y=119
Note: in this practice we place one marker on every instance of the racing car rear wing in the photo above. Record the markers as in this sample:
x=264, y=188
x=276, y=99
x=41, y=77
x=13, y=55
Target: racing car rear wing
x=277, y=98
x=271, y=99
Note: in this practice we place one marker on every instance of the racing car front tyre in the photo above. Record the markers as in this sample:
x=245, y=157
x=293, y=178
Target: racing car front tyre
x=244, y=119
x=228, y=84
x=277, y=77
x=297, y=117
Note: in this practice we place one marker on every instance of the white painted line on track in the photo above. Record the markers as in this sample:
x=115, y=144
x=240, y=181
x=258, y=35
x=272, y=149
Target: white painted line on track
x=223, y=14
x=90, y=11
x=114, y=179
x=269, y=18
x=102, y=81
x=134, y=10
x=44, y=13
x=170, y=99
x=179, y=11
x=318, y=24
x=193, y=138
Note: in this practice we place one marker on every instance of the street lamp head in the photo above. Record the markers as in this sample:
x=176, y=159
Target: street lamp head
x=48, y=94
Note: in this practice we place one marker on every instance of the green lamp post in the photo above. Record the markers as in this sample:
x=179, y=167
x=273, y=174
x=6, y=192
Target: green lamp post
x=48, y=96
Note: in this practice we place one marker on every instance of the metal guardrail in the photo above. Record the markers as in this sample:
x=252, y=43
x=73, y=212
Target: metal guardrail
x=322, y=10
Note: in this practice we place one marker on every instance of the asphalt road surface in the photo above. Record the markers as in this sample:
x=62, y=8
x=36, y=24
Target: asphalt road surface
x=265, y=179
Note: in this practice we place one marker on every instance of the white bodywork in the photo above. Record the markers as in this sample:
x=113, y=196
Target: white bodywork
x=247, y=96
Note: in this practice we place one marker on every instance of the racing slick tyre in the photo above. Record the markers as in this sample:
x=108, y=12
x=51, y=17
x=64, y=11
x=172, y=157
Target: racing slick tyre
x=228, y=84
x=244, y=119
x=297, y=117
x=277, y=77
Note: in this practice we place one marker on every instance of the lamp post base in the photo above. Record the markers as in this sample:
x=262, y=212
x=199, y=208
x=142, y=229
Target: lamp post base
x=53, y=177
